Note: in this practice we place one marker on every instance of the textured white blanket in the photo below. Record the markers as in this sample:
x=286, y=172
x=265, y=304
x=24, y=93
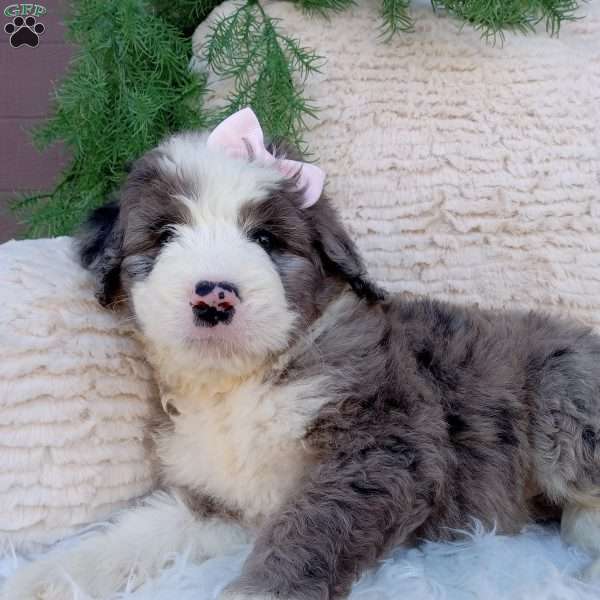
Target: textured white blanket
x=74, y=391
x=464, y=170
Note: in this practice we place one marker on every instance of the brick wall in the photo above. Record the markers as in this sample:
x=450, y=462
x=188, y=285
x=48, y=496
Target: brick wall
x=27, y=78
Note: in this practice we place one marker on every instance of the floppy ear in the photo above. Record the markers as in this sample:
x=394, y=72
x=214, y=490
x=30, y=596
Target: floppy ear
x=100, y=250
x=338, y=252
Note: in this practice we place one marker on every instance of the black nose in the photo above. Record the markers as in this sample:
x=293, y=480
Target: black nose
x=203, y=288
x=214, y=303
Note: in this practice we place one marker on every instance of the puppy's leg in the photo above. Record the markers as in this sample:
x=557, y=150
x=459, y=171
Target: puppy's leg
x=132, y=550
x=580, y=526
x=339, y=523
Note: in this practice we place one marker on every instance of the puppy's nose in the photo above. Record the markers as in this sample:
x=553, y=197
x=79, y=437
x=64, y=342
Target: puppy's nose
x=214, y=303
x=203, y=288
x=217, y=293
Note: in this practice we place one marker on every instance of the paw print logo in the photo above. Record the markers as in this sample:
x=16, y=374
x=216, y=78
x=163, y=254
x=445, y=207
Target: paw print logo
x=24, y=31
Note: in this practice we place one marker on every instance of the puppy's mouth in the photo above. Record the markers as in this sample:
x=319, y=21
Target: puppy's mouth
x=211, y=316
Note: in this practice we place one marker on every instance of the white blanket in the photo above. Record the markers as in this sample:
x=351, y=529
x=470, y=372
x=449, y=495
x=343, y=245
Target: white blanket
x=532, y=566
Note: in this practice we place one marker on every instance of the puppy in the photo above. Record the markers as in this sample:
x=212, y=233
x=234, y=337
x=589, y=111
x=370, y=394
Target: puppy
x=301, y=409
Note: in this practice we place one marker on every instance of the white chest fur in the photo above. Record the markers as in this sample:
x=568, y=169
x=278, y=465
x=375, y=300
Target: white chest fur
x=243, y=446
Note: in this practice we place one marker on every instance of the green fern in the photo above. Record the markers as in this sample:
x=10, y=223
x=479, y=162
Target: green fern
x=128, y=86
x=324, y=7
x=493, y=17
x=268, y=70
x=395, y=17
x=185, y=15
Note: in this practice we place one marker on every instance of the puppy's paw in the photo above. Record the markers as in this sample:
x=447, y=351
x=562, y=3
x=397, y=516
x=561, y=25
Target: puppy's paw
x=233, y=595
x=234, y=592
x=591, y=573
x=39, y=581
x=76, y=575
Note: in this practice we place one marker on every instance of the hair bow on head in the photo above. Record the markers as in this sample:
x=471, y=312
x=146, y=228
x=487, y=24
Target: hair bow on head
x=241, y=136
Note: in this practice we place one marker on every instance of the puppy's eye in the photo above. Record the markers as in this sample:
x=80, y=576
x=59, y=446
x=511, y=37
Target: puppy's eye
x=264, y=239
x=165, y=235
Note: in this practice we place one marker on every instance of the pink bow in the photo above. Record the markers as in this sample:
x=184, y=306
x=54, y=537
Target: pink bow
x=241, y=136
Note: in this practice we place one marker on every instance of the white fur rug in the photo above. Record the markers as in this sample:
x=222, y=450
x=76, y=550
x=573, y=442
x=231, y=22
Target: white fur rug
x=532, y=566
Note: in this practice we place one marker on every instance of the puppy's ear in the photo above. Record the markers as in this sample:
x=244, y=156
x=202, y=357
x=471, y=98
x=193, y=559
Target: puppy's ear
x=338, y=252
x=100, y=250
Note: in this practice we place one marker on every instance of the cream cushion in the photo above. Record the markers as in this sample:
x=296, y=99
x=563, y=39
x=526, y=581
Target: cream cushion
x=74, y=393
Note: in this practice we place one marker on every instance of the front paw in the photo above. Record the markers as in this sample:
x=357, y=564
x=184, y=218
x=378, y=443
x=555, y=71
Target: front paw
x=591, y=573
x=76, y=575
x=39, y=581
x=227, y=594
x=230, y=595
x=235, y=592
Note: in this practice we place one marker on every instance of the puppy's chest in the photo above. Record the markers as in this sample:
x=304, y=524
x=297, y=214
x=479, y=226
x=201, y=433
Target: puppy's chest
x=244, y=447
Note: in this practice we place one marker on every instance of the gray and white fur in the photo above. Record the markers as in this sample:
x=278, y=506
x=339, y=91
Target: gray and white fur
x=322, y=420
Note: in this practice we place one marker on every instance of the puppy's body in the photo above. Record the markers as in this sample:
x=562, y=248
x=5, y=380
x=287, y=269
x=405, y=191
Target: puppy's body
x=306, y=412
x=409, y=417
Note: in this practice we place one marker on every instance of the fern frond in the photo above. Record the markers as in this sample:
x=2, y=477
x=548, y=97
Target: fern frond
x=128, y=86
x=493, y=17
x=324, y=7
x=396, y=17
x=268, y=70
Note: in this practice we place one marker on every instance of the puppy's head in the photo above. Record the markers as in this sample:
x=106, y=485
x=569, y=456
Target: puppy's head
x=216, y=255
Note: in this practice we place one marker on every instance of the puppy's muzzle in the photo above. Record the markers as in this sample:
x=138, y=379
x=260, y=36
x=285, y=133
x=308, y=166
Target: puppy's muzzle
x=213, y=303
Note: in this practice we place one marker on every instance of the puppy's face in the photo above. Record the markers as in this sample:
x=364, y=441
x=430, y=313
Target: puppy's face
x=215, y=256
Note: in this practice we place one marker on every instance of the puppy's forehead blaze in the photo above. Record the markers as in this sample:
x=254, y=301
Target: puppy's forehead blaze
x=210, y=184
x=181, y=183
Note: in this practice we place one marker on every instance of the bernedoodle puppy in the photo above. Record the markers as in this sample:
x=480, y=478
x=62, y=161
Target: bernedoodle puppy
x=305, y=411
